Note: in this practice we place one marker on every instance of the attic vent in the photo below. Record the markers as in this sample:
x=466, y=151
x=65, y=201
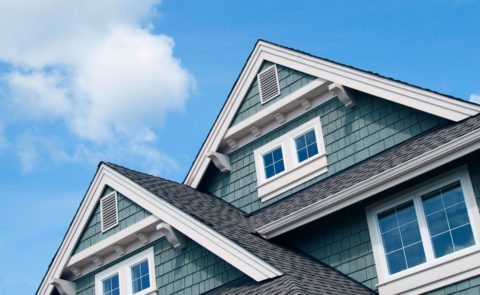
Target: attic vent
x=109, y=211
x=268, y=84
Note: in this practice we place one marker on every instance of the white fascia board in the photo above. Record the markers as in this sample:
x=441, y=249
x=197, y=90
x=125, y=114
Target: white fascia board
x=424, y=100
x=428, y=161
x=218, y=244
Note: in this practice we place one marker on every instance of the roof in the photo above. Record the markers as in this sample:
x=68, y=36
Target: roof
x=386, y=160
x=302, y=273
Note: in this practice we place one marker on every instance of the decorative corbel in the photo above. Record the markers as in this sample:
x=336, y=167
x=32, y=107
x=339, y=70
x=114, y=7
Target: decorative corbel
x=306, y=104
x=279, y=117
x=221, y=161
x=76, y=271
x=65, y=287
x=342, y=94
x=232, y=143
x=96, y=260
x=255, y=131
x=173, y=236
x=120, y=250
x=142, y=238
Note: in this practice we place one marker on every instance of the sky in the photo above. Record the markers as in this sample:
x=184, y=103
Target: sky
x=140, y=83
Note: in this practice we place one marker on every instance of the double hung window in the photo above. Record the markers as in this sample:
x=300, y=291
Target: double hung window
x=291, y=159
x=135, y=275
x=424, y=229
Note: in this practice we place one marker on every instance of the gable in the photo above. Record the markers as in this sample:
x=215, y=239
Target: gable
x=328, y=74
x=191, y=270
x=129, y=213
x=350, y=136
x=289, y=80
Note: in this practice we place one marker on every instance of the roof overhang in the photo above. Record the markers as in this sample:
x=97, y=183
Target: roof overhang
x=395, y=91
x=417, y=166
x=243, y=260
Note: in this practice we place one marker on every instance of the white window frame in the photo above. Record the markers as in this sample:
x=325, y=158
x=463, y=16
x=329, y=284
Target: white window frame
x=435, y=272
x=123, y=269
x=295, y=172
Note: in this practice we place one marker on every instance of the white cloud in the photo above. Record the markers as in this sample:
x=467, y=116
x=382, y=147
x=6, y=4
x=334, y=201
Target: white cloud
x=93, y=65
x=475, y=98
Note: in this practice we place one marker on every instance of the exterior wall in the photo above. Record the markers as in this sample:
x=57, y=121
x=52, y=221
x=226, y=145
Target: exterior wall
x=466, y=287
x=128, y=214
x=192, y=270
x=344, y=243
x=350, y=135
x=289, y=80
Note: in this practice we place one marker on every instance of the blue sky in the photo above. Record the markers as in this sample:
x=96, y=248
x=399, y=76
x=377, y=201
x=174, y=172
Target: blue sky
x=140, y=83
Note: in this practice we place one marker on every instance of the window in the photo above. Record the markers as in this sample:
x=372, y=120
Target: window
x=290, y=160
x=134, y=275
x=273, y=162
x=111, y=285
x=306, y=145
x=425, y=230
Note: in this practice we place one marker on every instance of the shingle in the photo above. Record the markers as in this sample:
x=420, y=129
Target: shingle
x=302, y=274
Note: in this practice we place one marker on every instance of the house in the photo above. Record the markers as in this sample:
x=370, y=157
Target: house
x=316, y=178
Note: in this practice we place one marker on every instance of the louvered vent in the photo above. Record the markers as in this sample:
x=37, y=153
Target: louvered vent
x=268, y=84
x=109, y=211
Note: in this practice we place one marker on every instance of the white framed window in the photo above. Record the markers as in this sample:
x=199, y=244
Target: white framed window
x=290, y=160
x=134, y=275
x=426, y=237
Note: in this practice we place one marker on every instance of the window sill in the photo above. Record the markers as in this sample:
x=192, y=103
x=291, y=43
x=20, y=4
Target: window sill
x=280, y=183
x=444, y=271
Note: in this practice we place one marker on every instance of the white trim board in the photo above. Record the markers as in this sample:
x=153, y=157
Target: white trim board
x=439, y=156
x=229, y=251
x=423, y=100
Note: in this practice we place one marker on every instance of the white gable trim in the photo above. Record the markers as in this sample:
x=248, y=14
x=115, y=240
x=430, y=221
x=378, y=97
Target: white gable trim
x=423, y=100
x=237, y=256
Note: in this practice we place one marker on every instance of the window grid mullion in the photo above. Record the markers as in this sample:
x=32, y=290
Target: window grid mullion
x=424, y=233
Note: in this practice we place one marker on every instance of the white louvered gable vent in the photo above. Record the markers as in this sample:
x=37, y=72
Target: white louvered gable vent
x=268, y=84
x=109, y=211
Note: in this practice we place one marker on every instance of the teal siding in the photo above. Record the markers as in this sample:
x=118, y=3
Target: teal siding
x=289, y=80
x=343, y=243
x=192, y=270
x=128, y=214
x=350, y=135
x=466, y=287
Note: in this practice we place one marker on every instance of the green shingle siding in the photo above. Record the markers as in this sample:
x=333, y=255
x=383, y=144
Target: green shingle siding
x=289, y=80
x=343, y=243
x=350, y=135
x=467, y=287
x=128, y=214
x=192, y=270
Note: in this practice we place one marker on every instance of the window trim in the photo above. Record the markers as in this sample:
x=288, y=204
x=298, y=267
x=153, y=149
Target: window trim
x=420, y=276
x=295, y=172
x=123, y=268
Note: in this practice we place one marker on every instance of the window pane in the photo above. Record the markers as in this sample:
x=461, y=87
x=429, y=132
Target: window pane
x=145, y=282
x=111, y=286
x=277, y=154
x=437, y=223
x=387, y=220
x=391, y=240
x=415, y=254
x=310, y=137
x=137, y=286
x=432, y=202
x=396, y=262
x=268, y=159
x=442, y=244
x=269, y=171
x=410, y=233
x=452, y=195
x=463, y=237
x=406, y=214
x=136, y=271
x=457, y=215
x=300, y=142
x=312, y=150
x=302, y=155
x=279, y=167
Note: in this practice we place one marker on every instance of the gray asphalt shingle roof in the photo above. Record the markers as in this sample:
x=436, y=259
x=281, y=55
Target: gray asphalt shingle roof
x=302, y=274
